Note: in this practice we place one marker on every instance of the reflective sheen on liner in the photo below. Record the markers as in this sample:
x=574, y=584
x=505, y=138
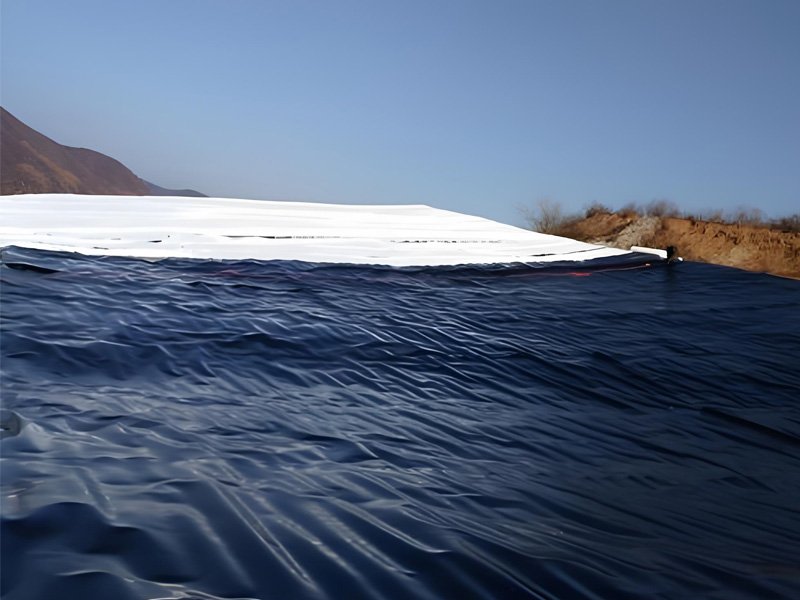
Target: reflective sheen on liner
x=244, y=429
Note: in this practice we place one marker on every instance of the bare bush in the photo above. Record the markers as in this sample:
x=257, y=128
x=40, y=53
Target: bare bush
x=662, y=208
x=596, y=208
x=547, y=217
x=747, y=215
x=630, y=211
x=790, y=223
x=713, y=216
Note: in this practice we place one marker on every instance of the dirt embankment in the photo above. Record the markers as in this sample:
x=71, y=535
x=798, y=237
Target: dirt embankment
x=755, y=248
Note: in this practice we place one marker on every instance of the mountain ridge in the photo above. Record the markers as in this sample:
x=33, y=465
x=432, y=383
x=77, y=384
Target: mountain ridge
x=32, y=163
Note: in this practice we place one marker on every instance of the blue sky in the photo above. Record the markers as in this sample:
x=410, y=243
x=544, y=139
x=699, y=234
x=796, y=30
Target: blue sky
x=474, y=106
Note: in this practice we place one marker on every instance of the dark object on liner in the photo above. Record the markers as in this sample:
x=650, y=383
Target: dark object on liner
x=672, y=254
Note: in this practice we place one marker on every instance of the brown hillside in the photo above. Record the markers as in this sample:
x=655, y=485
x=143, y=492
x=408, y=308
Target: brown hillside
x=743, y=246
x=751, y=247
x=31, y=163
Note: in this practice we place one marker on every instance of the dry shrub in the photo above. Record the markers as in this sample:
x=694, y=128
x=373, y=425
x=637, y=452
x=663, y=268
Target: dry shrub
x=713, y=216
x=747, y=215
x=548, y=217
x=790, y=223
x=662, y=208
x=596, y=208
x=630, y=211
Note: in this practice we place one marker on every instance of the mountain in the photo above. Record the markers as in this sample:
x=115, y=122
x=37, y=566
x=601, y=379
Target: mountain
x=157, y=190
x=31, y=163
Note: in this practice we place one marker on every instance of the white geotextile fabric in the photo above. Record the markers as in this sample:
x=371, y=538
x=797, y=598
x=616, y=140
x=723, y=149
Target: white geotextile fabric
x=224, y=228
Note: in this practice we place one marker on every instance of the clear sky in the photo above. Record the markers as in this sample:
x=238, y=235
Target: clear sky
x=474, y=106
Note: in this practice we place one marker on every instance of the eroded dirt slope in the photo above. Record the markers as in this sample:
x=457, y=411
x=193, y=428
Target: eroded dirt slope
x=736, y=245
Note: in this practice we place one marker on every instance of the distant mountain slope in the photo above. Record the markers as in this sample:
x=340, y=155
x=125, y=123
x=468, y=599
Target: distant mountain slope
x=31, y=163
x=157, y=190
